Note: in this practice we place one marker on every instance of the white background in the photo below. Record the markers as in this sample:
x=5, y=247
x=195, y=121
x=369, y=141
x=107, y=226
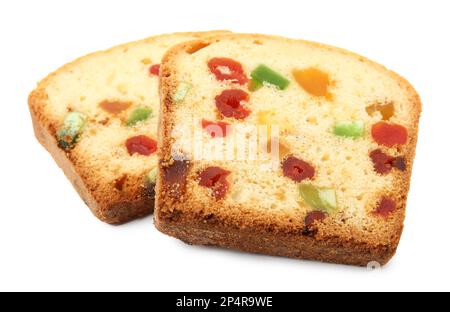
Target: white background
x=50, y=241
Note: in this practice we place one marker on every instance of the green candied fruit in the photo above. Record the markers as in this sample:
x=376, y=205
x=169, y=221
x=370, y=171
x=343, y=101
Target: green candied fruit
x=349, y=129
x=73, y=125
x=319, y=198
x=181, y=91
x=264, y=74
x=151, y=176
x=139, y=114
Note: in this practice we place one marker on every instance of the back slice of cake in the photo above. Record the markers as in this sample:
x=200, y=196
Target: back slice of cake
x=284, y=147
x=97, y=116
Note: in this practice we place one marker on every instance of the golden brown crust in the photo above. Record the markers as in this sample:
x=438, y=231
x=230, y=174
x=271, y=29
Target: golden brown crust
x=185, y=219
x=106, y=202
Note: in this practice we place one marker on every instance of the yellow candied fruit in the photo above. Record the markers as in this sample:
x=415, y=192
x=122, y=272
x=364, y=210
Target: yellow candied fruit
x=269, y=118
x=280, y=195
x=313, y=80
x=283, y=149
x=265, y=117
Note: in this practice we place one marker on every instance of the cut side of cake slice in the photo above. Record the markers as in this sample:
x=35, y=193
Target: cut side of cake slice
x=284, y=147
x=97, y=116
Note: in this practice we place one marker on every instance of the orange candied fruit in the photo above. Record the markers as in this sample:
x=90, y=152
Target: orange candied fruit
x=114, y=107
x=313, y=80
x=386, y=110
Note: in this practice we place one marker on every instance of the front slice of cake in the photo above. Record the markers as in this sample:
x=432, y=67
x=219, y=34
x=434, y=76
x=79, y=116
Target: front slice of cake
x=97, y=116
x=284, y=147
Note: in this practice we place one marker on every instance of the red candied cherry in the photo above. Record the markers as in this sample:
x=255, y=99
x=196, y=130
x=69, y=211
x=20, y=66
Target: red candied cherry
x=216, y=129
x=385, y=207
x=227, y=69
x=297, y=169
x=154, y=69
x=215, y=179
x=229, y=103
x=384, y=163
x=313, y=216
x=141, y=144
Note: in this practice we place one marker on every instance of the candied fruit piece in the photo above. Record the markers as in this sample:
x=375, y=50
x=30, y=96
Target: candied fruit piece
x=254, y=85
x=181, y=91
x=263, y=74
x=227, y=69
x=215, y=179
x=386, y=110
x=217, y=129
x=174, y=177
x=141, y=144
x=154, y=69
x=151, y=176
x=313, y=80
x=313, y=216
x=349, y=129
x=139, y=114
x=389, y=134
x=120, y=182
x=73, y=125
x=114, y=107
x=383, y=163
x=229, y=103
x=283, y=150
x=297, y=169
x=320, y=198
x=385, y=207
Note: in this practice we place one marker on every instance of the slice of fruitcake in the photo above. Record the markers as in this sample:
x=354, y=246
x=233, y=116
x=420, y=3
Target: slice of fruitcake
x=284, y=147
x=98, y=117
